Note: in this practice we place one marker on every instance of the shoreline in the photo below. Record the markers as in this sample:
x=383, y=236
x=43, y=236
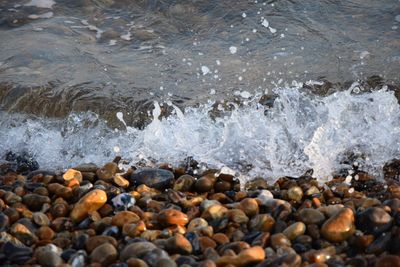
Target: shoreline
x=165, y=216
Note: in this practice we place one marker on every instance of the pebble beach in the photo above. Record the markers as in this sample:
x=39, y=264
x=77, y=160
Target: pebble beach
x=180, y=216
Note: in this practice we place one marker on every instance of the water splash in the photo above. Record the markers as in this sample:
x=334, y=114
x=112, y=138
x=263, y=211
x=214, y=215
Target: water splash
x=301, y=131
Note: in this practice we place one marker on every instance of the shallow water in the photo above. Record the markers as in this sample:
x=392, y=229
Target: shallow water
x=81, y=66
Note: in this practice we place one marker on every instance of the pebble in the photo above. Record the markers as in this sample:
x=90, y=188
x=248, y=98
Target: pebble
x=311, y=216
x=339, y=227
x=125, y=217
x=107, y=172
x=388, y=261
x=71, y=174
x=120, y=181
x=262, y=222
x=172, y=217
x=374, y=220
x=184, y=183
x=248, y=257
x=41, y=219
x=136, y=250
x=179, y=244
x=279, y=240
x=294, y=230
x=92, y=201
x=295, y=193
x=35, y=202
x=104, y=254
x=96, y=241
x=155, y=178
x=49, y=259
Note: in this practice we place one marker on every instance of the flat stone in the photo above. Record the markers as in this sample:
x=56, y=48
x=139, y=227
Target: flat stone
x=104, y=254
x=92, y=201
x=154, y=178
x=339, y=227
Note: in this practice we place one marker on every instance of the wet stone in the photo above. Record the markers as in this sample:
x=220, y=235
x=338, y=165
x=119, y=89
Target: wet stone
x=311, y=216
x=279, y=240
x=49, y=259
x=295, y=193
x=71, y=174
x=92, y=201
x=34, y=201
x=172, y=217
x=184, y=183
x=133, y=262
x=295, y=230
x=179, y=244
x=136, y=250
x=339, y=227
x=388, y=261
x=125, y=217
x=41, y=219
x=374, y=220
x=107, y=172
x=104, y=254
x=154, y=178
x=247, y=257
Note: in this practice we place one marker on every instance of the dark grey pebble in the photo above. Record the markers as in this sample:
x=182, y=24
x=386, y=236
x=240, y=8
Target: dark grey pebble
x=154, y=178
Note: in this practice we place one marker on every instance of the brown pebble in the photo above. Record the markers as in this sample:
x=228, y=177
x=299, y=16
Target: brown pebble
x=107, y=172
x=262, y=222
x=388, y=261
x=279, y=240
x=172, y=217
x=205, y=183
x=104, y=254
x=295, y=230
x=45, y=233
x=339, y=227
x=206, y=242
x=249, y=206
x=250, y=256
x=220, y=238
x=71, y=174
x=124, y=217
x=184, y=183
x=120, y=181
x=134, y=262
x=179, y=244
x=98, y=240
x=92, y=201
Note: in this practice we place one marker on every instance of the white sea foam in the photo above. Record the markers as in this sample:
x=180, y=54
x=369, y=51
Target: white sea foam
x=299, y=132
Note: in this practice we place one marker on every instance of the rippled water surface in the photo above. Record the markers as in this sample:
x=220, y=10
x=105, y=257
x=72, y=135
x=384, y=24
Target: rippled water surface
x=84, y=74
